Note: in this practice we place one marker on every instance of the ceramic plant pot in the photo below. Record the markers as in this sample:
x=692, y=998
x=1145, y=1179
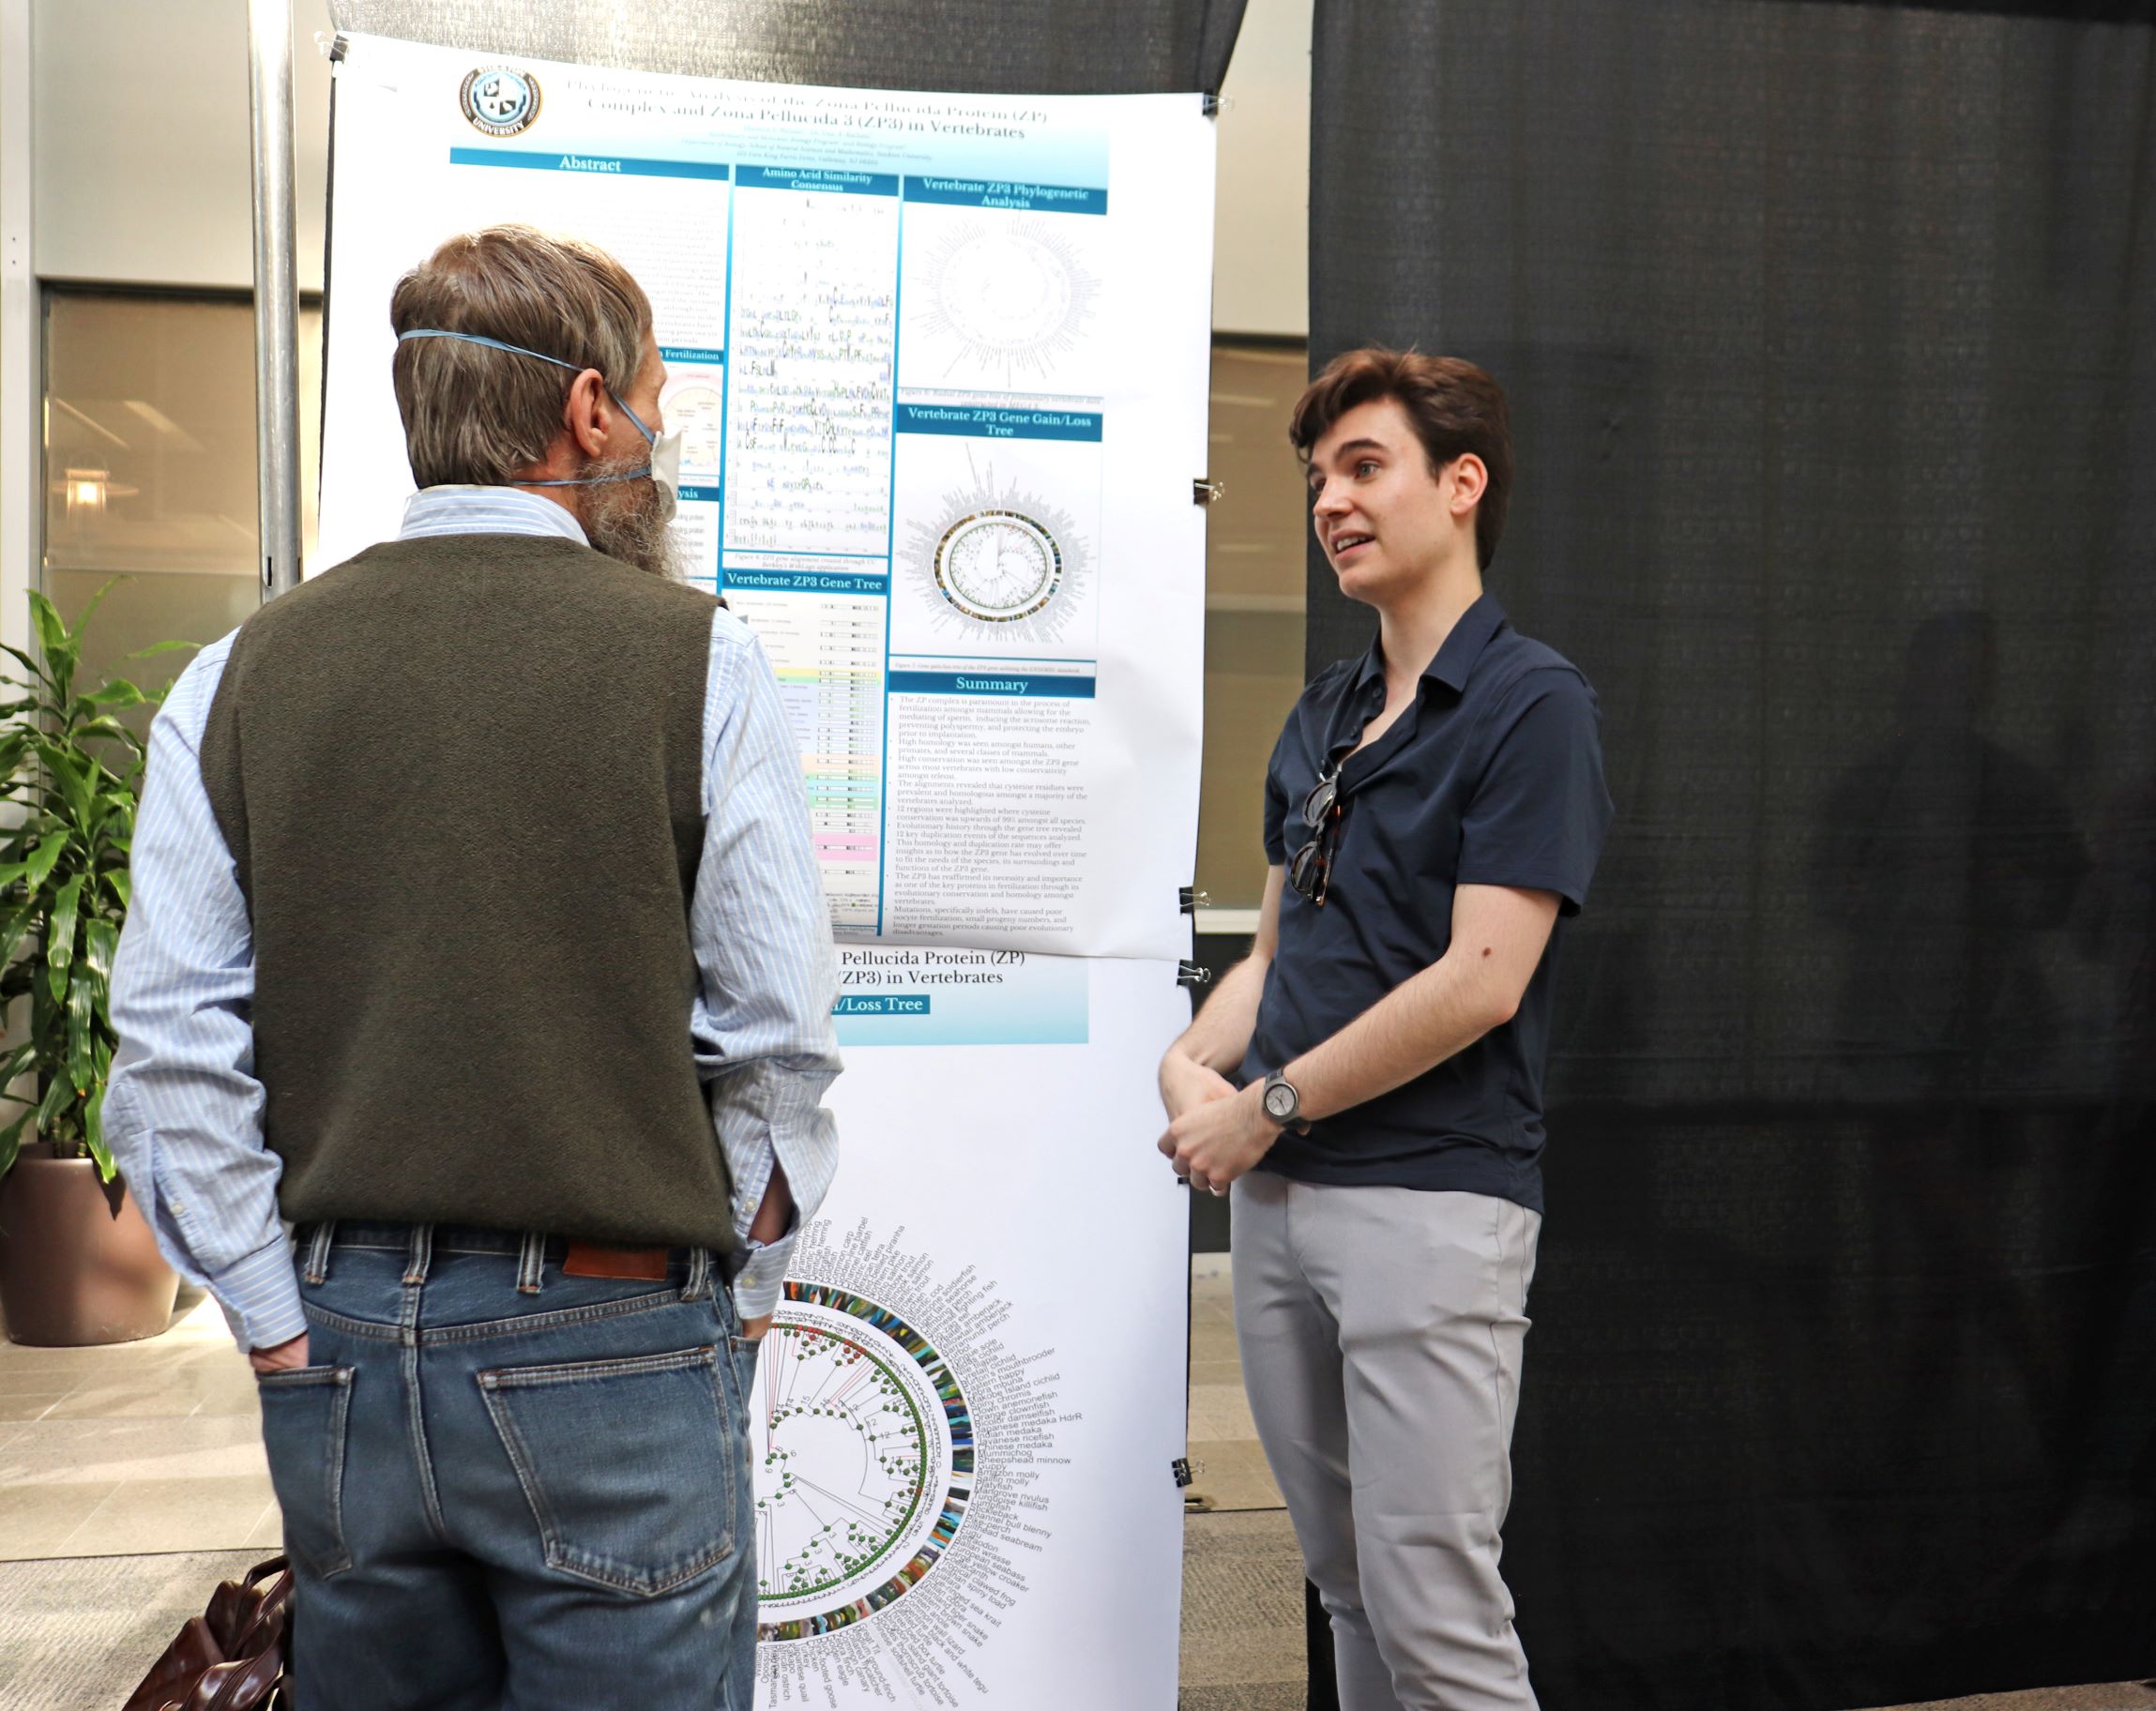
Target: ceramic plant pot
x=78, y=1263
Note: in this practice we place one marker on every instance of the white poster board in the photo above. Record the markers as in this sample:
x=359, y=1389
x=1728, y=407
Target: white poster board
x=968, y=1410
x=941, y=366
x=941, y=363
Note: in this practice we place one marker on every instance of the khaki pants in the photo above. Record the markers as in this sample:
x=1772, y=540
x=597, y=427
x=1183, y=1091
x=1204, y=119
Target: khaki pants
x=1382, y=1334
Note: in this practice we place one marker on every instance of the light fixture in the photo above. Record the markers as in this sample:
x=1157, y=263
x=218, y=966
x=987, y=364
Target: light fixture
x=87, y=493
x=87, y=490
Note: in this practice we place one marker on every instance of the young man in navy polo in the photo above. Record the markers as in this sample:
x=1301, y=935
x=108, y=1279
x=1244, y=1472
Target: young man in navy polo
x=1433, y=809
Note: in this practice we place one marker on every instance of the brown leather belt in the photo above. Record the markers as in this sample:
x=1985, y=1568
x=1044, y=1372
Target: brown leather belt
x=579, y=1259
x=589, y=1260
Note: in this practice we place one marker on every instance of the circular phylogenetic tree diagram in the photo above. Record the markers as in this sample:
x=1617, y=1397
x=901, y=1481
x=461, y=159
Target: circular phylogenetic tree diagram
x=902, y=1451
x=998, y=566
x=997, y=560
x=862, y=1449
x=1010, y=298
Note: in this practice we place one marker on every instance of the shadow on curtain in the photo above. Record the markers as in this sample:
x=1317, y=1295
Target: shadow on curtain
x=1830, y=337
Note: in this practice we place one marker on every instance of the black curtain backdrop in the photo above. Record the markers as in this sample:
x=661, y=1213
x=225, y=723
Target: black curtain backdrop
x=969, y=47
x=1830, y=337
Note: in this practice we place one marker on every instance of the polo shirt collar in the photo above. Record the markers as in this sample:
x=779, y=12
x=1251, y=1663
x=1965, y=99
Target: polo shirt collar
x=1455, y=658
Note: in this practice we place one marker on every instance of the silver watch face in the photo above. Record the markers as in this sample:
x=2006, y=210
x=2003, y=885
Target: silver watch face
x=1280, y=1102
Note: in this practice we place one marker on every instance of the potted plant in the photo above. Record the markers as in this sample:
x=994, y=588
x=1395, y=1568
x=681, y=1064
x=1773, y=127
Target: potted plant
x=78, y=1263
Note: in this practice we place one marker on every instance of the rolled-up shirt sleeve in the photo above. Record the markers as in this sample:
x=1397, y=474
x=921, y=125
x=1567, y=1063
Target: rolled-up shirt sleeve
x=183, y=1109
x=762, y=1021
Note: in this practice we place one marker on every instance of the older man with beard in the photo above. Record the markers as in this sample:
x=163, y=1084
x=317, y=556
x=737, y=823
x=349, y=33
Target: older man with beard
x=478, y=933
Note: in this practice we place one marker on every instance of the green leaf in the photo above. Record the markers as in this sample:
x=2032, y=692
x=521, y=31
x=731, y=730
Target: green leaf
x=52, y=627
x=96, y=991
x=26, y=661
x=11, y=1140
x=59, y=643
x=40, y=866
x=58, y=1097
x=163, y=647
x=71, y=770
x=96, y=601
x=80, y=788
x=105, y=728
x=100, y=939
x=60, y=935
x=82, y=1033
x=114, y=692
x=93, y=1134
x=121, y=884
x=16, y=1062
x=12, y=934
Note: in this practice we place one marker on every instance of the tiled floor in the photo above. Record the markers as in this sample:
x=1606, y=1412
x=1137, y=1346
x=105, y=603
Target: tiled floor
x=136, y=1448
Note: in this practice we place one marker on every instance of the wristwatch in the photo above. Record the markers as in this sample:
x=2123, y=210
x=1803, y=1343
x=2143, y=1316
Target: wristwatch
x=1283, y=1104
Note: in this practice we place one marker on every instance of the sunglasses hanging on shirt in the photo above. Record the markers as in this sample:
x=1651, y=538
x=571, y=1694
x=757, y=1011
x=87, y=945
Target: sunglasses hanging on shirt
x=1311, y=871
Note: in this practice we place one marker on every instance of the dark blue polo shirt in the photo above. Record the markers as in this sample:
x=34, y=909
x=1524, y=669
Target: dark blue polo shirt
x=1492, y=777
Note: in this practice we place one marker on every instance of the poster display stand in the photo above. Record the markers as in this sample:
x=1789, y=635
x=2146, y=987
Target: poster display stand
x=940, y=364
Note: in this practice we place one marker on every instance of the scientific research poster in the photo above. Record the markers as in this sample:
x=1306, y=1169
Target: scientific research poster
x=967, y=1410
x=940, y=363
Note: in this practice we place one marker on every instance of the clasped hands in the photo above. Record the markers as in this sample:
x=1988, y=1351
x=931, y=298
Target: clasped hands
x=1217, y=1131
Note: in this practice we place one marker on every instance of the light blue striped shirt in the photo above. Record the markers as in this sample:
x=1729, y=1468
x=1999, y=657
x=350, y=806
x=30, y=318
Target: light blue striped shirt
x=183, y=1111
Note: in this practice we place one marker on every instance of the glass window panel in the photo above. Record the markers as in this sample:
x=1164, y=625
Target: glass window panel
x=1254, y=608
x=150, y=467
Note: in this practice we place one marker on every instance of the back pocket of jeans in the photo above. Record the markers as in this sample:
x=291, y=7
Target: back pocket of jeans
x=304, y=1411
x=628, y=1464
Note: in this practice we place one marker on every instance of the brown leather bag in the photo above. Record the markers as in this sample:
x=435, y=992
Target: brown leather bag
x=231, y=1657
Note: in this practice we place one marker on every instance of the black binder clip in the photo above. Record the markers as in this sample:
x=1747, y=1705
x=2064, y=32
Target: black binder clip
x=1192, y=973
x=1204, y=490
x=1189, y=900
x=1181, y=1467
x=1210, y=107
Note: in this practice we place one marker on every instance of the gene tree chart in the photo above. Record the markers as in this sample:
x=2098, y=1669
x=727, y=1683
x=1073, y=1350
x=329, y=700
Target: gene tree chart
x=898, y=1446
x=863, y=1451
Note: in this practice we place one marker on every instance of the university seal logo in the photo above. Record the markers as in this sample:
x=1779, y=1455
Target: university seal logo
x=500, y=101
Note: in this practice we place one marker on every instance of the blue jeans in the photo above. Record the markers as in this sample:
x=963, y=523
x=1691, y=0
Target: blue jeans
x=508, y=1488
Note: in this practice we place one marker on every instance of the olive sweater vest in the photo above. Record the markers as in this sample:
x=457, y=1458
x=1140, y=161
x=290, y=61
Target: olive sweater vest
x=461, y=780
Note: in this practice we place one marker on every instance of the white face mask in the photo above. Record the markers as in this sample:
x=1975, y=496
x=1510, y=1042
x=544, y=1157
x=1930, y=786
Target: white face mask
x=665, y=466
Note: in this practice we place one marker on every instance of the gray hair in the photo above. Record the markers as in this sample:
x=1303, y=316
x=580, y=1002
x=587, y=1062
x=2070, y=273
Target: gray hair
x=474, y=413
